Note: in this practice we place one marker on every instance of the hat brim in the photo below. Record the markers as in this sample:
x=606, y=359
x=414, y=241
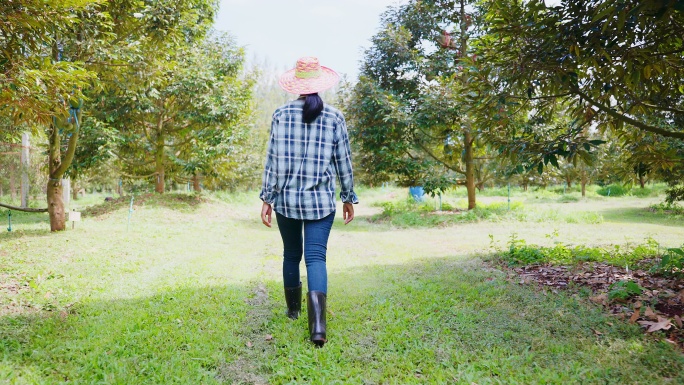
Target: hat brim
x=294, y=85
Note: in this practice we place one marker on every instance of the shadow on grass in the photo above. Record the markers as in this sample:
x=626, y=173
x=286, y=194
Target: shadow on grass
x=439, y=321
x=361, y=223
x=19, y=217
x=641, y=215
x=19, y=233
x=175, y=201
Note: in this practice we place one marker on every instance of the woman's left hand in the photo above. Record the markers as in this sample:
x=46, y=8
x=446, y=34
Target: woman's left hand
x=348, y=212
x=266, y=211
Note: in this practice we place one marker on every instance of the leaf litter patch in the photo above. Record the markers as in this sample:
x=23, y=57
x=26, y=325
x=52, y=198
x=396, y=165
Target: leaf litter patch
x=634, y=295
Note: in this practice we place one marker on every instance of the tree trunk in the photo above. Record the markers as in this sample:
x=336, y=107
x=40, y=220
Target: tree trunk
x=467, y=137
x=584, y=181
x=568, y=181
x=470, y=169
x=56, y=205
x=159, y=167
x=196, y=183
x=57, y=167
x=55, y=201
x=74, y=187
x=642, y=181
x=160, y=182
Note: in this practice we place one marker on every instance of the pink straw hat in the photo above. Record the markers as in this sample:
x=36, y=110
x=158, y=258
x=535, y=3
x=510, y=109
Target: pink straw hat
x=308, y=77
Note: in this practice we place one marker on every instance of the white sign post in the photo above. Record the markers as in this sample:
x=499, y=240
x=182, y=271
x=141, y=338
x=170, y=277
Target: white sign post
x=74, y=216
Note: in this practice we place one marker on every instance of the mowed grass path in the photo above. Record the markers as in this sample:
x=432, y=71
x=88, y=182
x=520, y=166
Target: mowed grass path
x=193, y=295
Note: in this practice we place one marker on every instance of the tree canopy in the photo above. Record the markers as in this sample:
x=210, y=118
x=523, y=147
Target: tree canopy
x=615, y=63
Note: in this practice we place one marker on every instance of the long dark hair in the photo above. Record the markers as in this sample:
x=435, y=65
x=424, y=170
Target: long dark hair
x=313, y=105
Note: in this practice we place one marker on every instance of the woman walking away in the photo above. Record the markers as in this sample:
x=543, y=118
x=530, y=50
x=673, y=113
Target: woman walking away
x=307, y=150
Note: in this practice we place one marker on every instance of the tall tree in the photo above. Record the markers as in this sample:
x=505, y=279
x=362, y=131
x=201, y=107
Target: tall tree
x=53, y=51
x=407, y=111
x=180, y=112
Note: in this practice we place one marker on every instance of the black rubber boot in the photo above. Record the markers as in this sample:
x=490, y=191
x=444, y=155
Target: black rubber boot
x=316, y=310
x=293, y=298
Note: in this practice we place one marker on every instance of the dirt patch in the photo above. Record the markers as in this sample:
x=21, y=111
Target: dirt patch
x=657, y=308
x=250, y=367
x=12, y=285
x=173, y=201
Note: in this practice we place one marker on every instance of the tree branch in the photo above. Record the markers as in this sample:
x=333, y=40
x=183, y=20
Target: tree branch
x=676, y=110
x=627, y=119
x=433, y=156
x=24, y=209
x=540, y=97
x=138, y=176
x=130, y=163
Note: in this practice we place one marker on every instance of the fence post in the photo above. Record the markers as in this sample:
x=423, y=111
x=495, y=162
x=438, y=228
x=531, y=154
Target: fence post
x=24, y=169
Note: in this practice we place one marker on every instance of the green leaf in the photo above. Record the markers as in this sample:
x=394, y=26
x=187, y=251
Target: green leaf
x=621, y=20
x=554, y=161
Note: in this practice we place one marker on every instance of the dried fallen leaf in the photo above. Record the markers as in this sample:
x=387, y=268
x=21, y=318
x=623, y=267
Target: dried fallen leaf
x=648, y=313
x=269, y=337
x=635, y=316
x=637, y=304
x=678, y=321
x=600, y=299
x=662, y=324
x=249, y=344
x=598, y=333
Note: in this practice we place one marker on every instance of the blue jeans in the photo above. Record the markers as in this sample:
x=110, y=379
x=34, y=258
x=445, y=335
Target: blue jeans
x=314, y=245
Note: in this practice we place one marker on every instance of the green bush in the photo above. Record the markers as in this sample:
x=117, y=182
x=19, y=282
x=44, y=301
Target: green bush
x=567, y=198
x=671, y=263
x=520, y=253
x=613, y=190
x=407, y=213
x=668, y=208
x=623, y=290
x=643, y=192
x=674, y=193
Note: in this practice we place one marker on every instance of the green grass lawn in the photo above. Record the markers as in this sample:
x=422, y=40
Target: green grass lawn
x=190, y=293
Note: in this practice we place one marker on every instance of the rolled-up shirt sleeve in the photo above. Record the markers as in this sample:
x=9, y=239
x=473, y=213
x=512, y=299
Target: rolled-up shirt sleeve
x=343, y=163
x=269, y=186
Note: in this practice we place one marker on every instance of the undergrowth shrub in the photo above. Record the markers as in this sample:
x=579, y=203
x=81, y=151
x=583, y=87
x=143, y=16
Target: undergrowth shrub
x=567, y=198
x=674, y=194
x=623, y=290
x=643, y=192
x=520, y=253
x=671, y=263
x=613, y=190
x=668, y=208
x=406, y=213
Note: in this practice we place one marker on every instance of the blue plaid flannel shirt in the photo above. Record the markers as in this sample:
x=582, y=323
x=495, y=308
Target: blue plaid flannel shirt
x=303, y=161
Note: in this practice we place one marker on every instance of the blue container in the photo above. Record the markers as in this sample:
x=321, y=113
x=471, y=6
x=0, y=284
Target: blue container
x=417, y=193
